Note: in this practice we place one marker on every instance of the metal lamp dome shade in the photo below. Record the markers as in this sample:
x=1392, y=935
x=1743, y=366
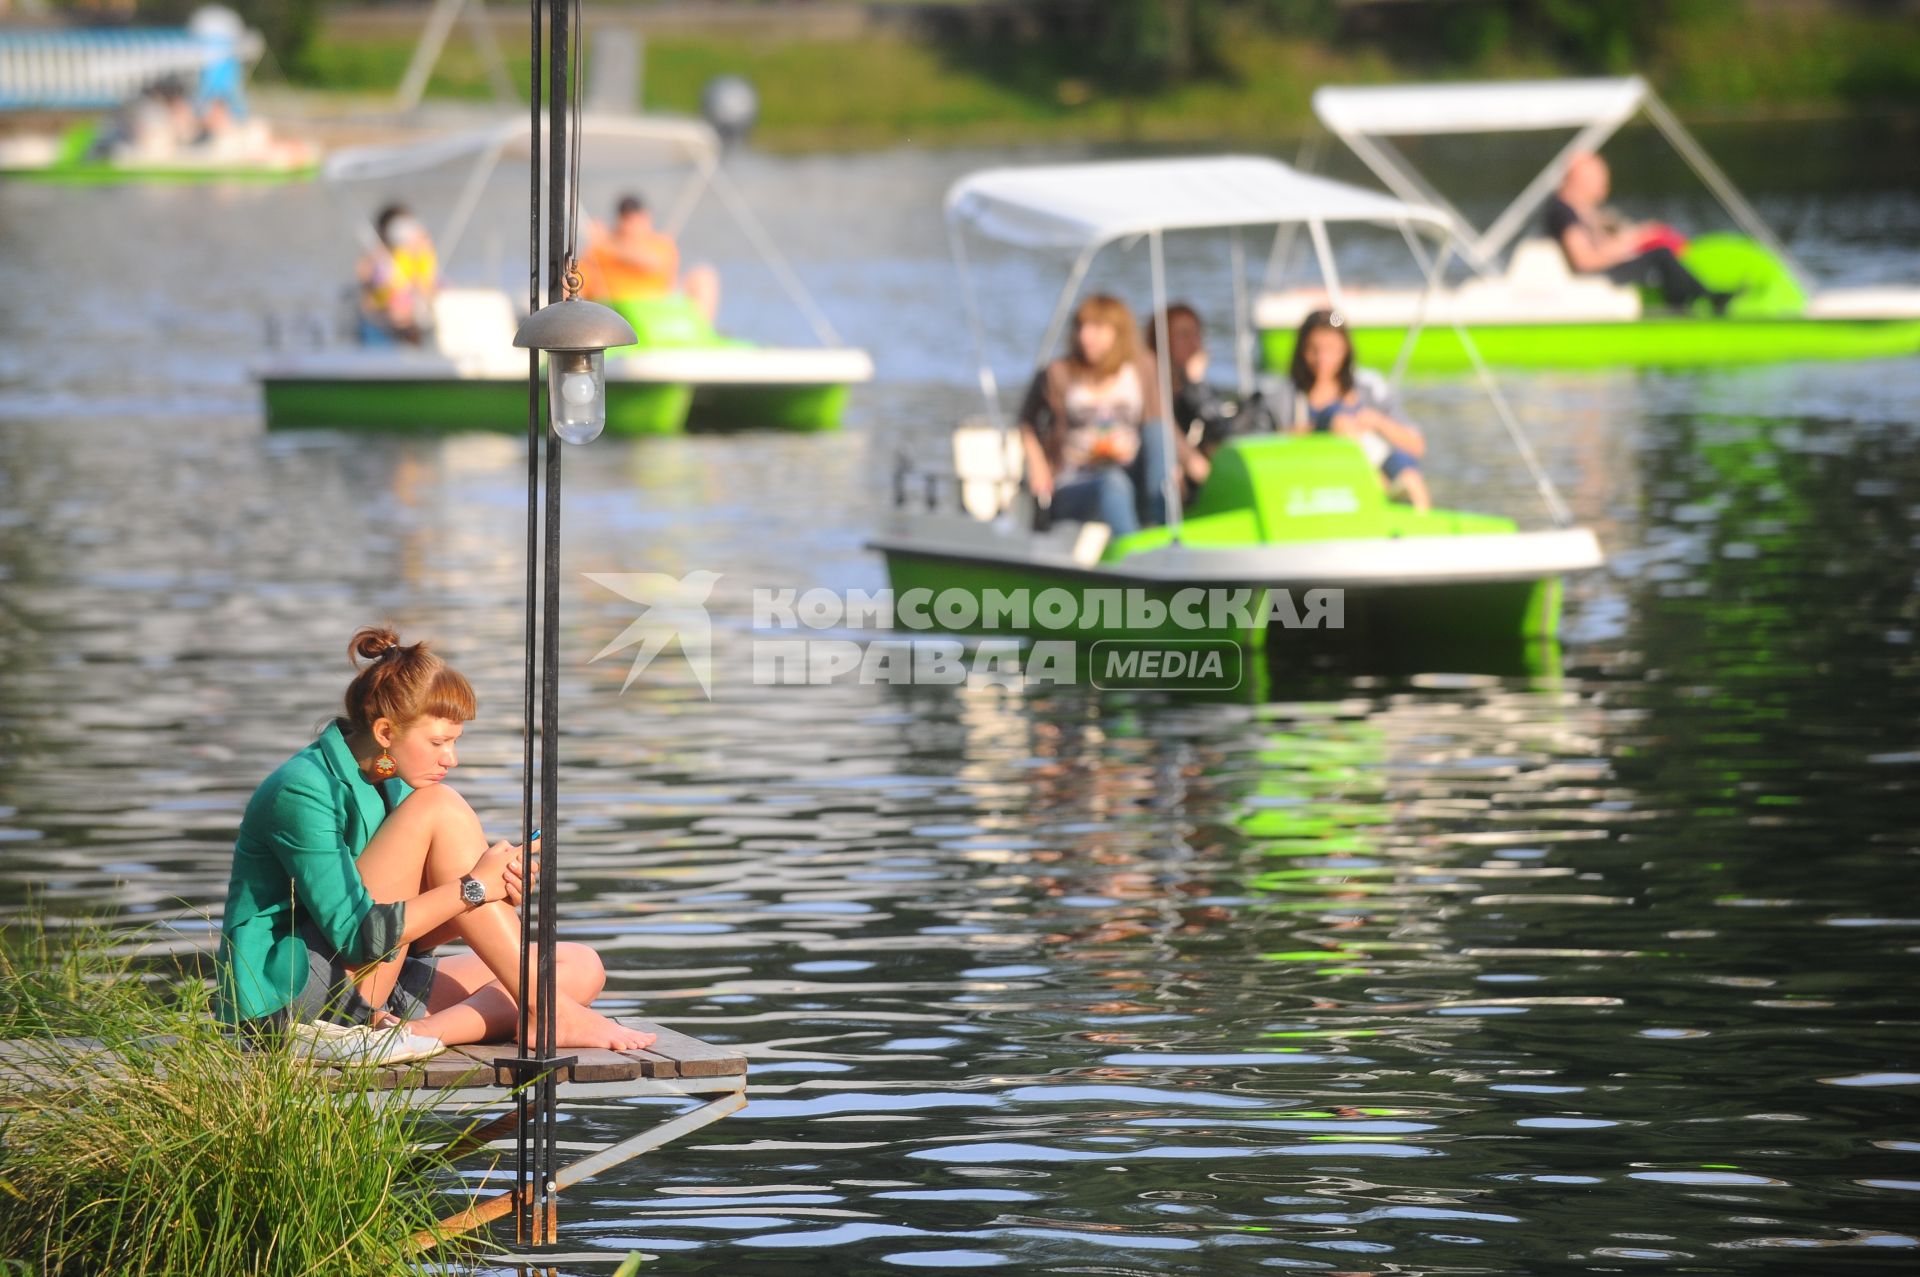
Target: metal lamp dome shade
x=574, y=325
x=575, y=334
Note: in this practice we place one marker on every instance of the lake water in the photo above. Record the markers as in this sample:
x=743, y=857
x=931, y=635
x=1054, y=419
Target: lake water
x=1608, y=971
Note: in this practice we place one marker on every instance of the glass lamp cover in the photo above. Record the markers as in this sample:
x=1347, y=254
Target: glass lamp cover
x=577, y=394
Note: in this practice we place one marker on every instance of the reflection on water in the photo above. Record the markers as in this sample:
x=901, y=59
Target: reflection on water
x=1447, y=973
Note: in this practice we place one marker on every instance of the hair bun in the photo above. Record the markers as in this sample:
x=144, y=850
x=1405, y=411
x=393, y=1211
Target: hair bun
x=371, y=642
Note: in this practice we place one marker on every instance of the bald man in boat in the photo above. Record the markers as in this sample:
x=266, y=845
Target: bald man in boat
x=1640, y=253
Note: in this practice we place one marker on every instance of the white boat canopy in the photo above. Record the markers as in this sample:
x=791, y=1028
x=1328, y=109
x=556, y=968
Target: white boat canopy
x=681, y=140
x=1510, y=107
x=1364, y=117
x=1082, y=207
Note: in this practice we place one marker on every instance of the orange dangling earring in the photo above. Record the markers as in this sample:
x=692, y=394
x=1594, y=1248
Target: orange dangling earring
x=384, y=766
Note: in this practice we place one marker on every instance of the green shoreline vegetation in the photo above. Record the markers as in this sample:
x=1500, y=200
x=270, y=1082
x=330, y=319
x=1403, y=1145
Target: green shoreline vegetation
x=1171, y=71
x=176, y=1153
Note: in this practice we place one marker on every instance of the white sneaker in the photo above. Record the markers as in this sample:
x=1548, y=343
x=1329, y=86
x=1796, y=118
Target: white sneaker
x=322, y=1030
x=336, y=1045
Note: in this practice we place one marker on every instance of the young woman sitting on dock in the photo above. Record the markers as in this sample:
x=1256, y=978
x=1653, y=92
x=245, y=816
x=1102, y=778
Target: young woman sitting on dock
x=1095, y=449
x=1330, y=396
x=355, y=860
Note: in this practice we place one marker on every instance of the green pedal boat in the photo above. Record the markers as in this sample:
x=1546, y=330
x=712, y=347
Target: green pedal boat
x=73, y=159
x=681, y=374
x=1292, y=534
x=1534, y=312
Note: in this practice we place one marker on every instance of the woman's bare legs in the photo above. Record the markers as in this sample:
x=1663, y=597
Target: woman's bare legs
x=469, y=1005
x=431, y=838
x=1414, y=484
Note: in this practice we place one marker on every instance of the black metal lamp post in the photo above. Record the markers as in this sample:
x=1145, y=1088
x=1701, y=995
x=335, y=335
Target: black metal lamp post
x=574, y=335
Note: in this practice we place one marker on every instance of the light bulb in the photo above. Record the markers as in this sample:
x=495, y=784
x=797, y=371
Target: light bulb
x=578, y=395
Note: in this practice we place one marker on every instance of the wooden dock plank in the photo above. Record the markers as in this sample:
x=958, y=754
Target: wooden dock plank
x=607, y=1066
x=693, y=1057
x=29, y=1065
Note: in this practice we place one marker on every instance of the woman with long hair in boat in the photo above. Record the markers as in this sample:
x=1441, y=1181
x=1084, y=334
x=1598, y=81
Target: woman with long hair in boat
x=1095, y=449
x=355, y=860
x=1331, y=397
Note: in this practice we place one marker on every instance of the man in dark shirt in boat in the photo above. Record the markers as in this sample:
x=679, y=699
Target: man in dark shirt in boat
x=1627, y=253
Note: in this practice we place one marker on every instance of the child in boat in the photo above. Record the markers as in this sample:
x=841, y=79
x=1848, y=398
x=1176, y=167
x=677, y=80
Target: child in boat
x=1641, y=253
x=1095, y=448
x=635, y=260
x=398, y=280
x=1331, y=397
x=355, y=860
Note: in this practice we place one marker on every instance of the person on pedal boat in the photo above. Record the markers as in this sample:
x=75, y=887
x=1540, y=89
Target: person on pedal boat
x=1332, y=397
x=635, y=260
x=398, y=280
x=1090, y=425
x=1206, y=417
x=1595, y=243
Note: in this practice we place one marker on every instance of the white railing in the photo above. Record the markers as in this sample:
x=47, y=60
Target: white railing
x=85, y=70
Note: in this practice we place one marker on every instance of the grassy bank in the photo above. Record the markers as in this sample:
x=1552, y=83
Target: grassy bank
x=178, y=1154
x=881, y=88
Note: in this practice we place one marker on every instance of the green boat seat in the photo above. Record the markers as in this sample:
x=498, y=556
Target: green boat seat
x=77, y=142
x=666, y=321
x=1283, y=488
x=1761, y=284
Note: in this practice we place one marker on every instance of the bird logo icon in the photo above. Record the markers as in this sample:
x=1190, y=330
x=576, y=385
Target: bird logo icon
x=675, y=610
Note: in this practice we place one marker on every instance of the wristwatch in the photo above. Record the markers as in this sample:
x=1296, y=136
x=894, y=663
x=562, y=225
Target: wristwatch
x=473, y=891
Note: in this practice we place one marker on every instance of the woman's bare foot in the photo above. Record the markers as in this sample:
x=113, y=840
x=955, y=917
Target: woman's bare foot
x=583, y=1028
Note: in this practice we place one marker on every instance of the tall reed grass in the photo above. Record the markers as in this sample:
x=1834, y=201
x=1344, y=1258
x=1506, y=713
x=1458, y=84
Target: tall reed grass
x=151, y=1142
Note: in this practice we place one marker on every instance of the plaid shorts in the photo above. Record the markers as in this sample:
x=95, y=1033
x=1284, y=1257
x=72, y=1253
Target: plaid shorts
x=329, y=993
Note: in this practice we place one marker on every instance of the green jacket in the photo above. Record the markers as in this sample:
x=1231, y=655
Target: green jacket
x=295, y=857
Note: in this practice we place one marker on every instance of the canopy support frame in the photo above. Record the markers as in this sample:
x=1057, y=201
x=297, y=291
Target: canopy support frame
x=1323, y=254
x=989, y=384
x=1716, y=181
x=1163, y=365
x=1057, y=322
x=1242, y=315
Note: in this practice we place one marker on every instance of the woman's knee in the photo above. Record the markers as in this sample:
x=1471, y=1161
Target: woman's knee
x=436, y=800
x=582, y=959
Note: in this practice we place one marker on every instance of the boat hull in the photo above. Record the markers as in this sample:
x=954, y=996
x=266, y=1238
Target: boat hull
x=1655, y=342
x=796, y=408
x=101, y=174
x=1409, y=618
x=435, y=404
x=438, y=405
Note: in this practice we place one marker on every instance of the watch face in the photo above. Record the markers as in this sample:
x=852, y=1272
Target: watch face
x=473, y=891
